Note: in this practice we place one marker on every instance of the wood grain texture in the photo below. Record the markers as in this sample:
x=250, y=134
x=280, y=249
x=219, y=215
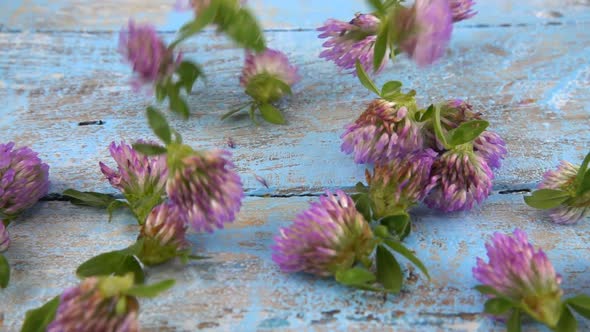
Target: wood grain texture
x=239, y=288
x=110, y=15
x=531, y=83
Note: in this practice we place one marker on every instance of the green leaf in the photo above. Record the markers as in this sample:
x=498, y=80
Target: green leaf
x=513, y=323
x=581, y=176
x=438, y=126
x=152, y=290
x=380, y=47
x=160, y=92
x=177, y=104
x=581, y=304
x=497, y=306
x=36, y=320
x=466, y=132
x=426, y=114
x=4, y=272
x=364, y=78
x=89, y=198
x=399, y=224
x=567, y=322
x=391, y=87
x=389, y=273
x=400, y=248
x=149, y=149
x=114, y=205
x=243, y=28
x=117, y=263
x=546, y=198
x=361, y=188
x=204, y=18
x=189, y=72
x=363, y=205
x=585, y=186
x=271, y=114
x=355, y=276
x=487, y=290
x=159, y=124
x=377, y=6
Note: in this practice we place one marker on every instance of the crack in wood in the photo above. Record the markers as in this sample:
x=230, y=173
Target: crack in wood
x=91, y=123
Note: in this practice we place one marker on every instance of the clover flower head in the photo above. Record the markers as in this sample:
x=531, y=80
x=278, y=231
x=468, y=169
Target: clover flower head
x=427, y=29
x=519, y=271
x=563, y=178
x=383, y=132
x=85, y=308
x=348, y=42
x=329, y=236
x=164, y=234
x=24, y=179
x=206, y=189
x=460, y=179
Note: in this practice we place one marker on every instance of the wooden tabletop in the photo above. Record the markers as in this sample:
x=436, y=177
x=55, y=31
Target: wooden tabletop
x=523, y=63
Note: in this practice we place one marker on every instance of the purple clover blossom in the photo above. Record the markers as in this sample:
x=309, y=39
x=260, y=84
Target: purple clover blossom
x=206, y=188
x=563, y=178
x=427, y=29
x=152, y=61
x=462, y=9
x=138, y=177
x=460, y=179
x=401, y=183
x=491, y=147
x=85, y=308
x=268, y=64
x=164, y=234
x=383, y=132
x=351, y=41
x=331, y=235
x=24, y=179
x=522, y=273
x=4, y=237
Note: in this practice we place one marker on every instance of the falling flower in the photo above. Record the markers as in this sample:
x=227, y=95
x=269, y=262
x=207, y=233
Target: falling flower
x=152, y=61
x=426, y=29
x=262, y=70
x=86, y=308
x=401, y=183
x=462, y=9
x=460, y=180
x=4, y=237
x=206, y=188
x=142, y=179
x=24, y=179
x=164, y=234
x=563, y=178
x=351, y=41
x=522, y=273
x=331, y=235
x=384, y=131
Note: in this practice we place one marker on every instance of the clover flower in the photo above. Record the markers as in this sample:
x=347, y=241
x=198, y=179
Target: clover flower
x=348, y=42
x=491, y=147
x=206, y=188
x=462, y=9
x=563, y=178
x=401, y=183
x=262, y=70
x=164, y=234
x=383, y=132
x=331, y=235
x=86, y=308
x=460, y=179
x=4, y=237
x=24, y=179
x=152, y=61
x=518, y=271
x=142, y=179
x=426, y=29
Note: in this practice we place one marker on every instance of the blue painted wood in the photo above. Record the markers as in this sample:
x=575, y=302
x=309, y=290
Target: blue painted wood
x=240, y=289
x=306, y=14
x=531, y=83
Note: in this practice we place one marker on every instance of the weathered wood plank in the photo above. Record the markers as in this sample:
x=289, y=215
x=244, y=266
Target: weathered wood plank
x=531, y=83
x=111, y=15
x=239, y=288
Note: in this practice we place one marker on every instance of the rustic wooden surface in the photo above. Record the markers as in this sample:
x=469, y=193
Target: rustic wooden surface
x=524, y=64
